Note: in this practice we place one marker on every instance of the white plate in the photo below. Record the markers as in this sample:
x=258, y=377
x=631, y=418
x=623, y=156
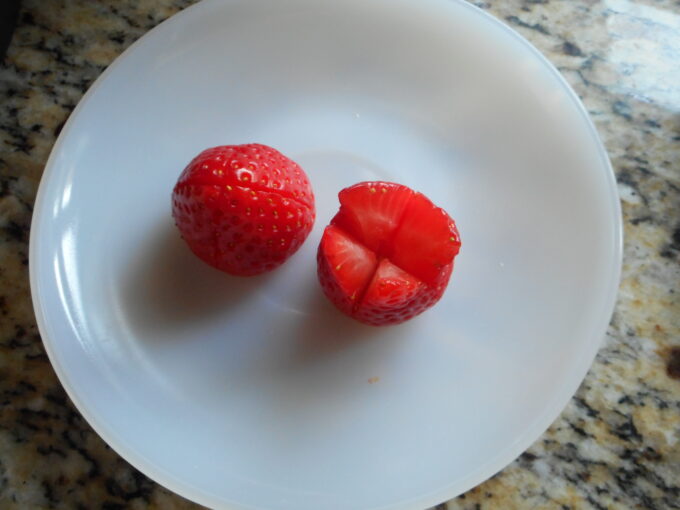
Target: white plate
x=254, y=393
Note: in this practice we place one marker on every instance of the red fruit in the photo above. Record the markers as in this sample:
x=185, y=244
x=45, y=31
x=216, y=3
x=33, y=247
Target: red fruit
x=344, y=266
x=243, y=209
x=388, y=253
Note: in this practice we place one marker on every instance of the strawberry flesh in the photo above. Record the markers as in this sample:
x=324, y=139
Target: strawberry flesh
x=371, y=212
x=426, y=241
x=345, y=267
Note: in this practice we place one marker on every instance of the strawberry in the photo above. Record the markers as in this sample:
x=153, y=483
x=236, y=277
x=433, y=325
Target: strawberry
x=387, y=254
x=243, y=209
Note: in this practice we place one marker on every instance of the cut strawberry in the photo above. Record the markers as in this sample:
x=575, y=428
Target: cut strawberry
x=388, y=254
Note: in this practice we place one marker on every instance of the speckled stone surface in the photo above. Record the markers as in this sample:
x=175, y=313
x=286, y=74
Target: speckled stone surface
x=615, y=446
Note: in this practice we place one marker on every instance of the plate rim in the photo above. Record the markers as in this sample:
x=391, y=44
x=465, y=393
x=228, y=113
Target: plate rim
x=494, y=465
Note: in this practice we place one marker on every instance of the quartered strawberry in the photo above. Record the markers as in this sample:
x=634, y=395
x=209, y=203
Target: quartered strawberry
x=243, y=209
x=388, y=253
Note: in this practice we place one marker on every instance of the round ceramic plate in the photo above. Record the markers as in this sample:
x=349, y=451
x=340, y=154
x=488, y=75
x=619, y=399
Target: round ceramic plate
x=256, y=393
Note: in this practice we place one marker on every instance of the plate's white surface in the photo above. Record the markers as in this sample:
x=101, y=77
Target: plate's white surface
x=254, y=393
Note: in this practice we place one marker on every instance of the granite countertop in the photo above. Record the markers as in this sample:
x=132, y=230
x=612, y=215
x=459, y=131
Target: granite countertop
x=615, y=446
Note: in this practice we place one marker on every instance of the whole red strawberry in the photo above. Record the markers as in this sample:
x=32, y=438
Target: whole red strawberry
x=244, y=209
x=388, y=253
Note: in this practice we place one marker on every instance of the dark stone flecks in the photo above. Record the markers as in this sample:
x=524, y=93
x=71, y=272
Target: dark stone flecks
x=117, y=37
x=16, y=232
x=536, y=26
x=110, y=505
x=673, y=363
x=569, y=48
x=596, y=504
x=49, y=494
x=590, y=412
x=626, y=176
x=528, y=456
x=641, y=219
x=672, y=249
x=578, y=430
x=622, y=109
x=627, y=430
x=59, y=127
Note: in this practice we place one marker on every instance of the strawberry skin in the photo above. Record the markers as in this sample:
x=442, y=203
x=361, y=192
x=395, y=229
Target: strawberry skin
x=388, y=253
x=243, y=209
x=395, y=296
